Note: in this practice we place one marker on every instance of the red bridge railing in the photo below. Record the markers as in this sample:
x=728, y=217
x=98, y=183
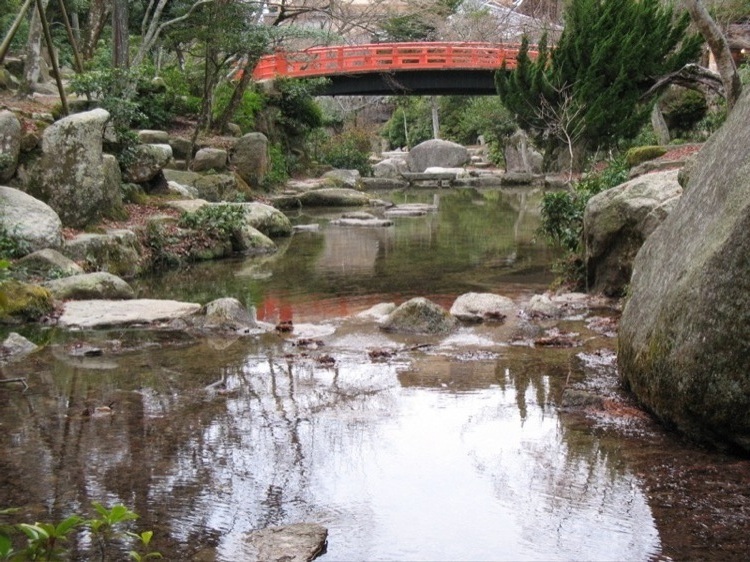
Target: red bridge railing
x=386, y=57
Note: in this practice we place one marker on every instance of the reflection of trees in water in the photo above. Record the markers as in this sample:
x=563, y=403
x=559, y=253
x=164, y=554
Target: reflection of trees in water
x=200, y=451
x=562, y=482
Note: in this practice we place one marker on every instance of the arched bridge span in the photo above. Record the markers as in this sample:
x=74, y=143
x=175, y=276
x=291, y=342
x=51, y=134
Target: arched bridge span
x=396, y=68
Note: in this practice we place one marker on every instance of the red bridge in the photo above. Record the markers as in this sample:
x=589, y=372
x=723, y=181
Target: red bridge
x=396, y=68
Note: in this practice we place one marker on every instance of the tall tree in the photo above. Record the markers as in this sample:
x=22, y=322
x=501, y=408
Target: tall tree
x=609, y=54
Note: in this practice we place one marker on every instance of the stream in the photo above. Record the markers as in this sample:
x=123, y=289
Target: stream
x=405, y=447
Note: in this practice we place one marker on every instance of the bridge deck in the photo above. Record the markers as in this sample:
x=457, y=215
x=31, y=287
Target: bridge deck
x=387, y=58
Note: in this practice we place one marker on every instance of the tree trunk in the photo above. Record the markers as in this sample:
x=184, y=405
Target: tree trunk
x=34, y=68
x=717, y=42
x=435, y=117
x=98, y=12
x=120, y=34
x=660, y=125
x=239, y=91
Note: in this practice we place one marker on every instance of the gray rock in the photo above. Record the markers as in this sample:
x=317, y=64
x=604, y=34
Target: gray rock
x=209, y=159
x=563, y=305
x=250, y=241
x=92, y=314
x=33, y=224
x=684, y=338
x=511, y=179
x=343, y=178
x=97, y=285
x=227, y=314
x=181, y=148
x=479, y=307
x=111, y=188
x=390, y=168
x=249, y=156
x=520, y=155
x=72, y=171
x=15, y=346
x=379, y=312
x=326, y=197
x=384, y=183
x=267, y=219
x=10, y=144
x=617, y=222
x=187, y=191
x=437, y=152
x=372, y=222
x=419, y=316
x=47, y=263
x=301, y=542
x=211, y=187
x=148, y=136
x=117, y=251
x=148, y=161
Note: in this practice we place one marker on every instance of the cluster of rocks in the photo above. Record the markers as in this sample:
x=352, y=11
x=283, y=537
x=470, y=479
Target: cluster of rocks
x=438, y=163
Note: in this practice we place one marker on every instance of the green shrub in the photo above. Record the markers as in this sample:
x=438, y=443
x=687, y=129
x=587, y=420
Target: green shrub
x=562, y=215
x=215, y=221
x=278, y=172
x=640, y=154
x=251, y=104
x=348, y=151
x=683, y=109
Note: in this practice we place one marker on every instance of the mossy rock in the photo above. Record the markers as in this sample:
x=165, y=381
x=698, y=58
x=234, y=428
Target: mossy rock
x=20, y=302
x=640, y=154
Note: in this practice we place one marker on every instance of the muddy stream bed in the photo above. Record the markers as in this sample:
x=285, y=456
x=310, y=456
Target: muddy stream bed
x=462, y=447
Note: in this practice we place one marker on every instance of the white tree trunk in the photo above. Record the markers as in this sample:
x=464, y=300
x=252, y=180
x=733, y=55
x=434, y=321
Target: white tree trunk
x=35, y=69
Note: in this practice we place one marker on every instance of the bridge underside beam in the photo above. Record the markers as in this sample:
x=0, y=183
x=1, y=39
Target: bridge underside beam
x=414, y=83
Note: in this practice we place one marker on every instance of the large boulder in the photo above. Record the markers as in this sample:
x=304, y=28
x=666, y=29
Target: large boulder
x=118, y=251
x=267, y=219
x=97, y=285
x=211, y=187
x=23, y=302
x=684, y=338
x=616, y=223
x=10, y=144
x=419, y=316
x=390, y=168
x=47, y=264
x=343, y=178
x=72, y=174
x=147, y=161
x=249, y=156
x=437, y=152
x=209, y=159
x=32, y=224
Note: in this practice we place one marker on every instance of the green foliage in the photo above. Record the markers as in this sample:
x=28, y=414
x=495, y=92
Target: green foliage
x=252, y=102
x=562, y=211
x=410, y=124
x=349, y=150
x=299, y=112
x=590, y=85
x=278, y=172
x=8, y=11
x=10, y=246
x=215, y=221
x=49, y=541
x=683, y=109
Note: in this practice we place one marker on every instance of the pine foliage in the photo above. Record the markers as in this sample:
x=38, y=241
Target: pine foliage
x=609, y=54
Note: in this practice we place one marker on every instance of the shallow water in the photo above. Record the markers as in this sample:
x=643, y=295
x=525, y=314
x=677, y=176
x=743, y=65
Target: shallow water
x=449, y=448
